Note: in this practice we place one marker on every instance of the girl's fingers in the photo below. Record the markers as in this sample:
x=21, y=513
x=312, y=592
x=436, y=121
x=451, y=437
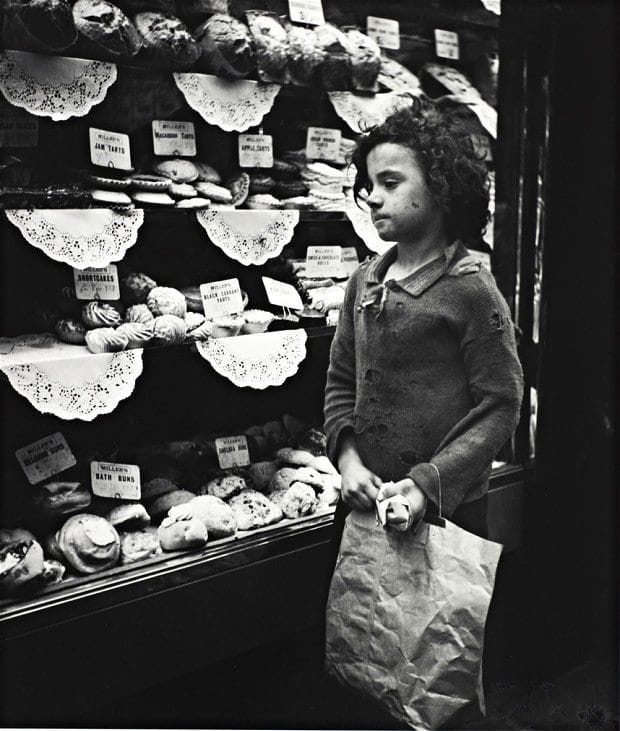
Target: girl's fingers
x=387, y=491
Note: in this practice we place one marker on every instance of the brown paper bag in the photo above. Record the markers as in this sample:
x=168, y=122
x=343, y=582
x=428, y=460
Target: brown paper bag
x=406, y=615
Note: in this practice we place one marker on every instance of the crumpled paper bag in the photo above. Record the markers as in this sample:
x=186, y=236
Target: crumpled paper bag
x=406, y=615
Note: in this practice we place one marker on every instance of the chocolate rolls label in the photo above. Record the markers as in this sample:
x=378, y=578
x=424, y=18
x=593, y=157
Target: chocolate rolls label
x=18, y=129
x=323, y=262
x=384, y=31
x=221, y=298
x=323, y=143
x=45, y=458
x=232, y=452
x=172, y=138
x=97, y=283
x=306, y=11
x=350, y=260
x=109, y=149
x=115, y=480
x=281, y=294
x=255, y=151
x=447, y=44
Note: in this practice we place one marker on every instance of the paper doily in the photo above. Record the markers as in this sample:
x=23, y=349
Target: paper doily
x=365, y=228
x=362, y=112
x=257, y=361
x=249, y=237
x=81, y=387
x=53, y=86
x=92, y=237
x=234, y=106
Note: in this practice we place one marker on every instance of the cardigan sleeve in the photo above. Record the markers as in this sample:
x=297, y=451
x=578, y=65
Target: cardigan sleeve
x=495, y=381
x=341, y=380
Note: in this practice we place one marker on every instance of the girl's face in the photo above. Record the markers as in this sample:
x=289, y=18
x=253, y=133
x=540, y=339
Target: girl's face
x=402, y=207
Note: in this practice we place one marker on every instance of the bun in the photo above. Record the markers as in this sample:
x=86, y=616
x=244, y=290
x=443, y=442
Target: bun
x=100, y=314
x=130, y=516
x=216, y=515
x=106, y=340
x=42, y=26
x=156, y=487
x=304, y=54
x=138, y=334
x=270, y=45
x=297, y=457
x=166, y=301
x=166, y=40
x=181, y=535
x=261, y=473
x=135, y=288
x=299, y=499
x=336, y=66
x=61, y=498
x=365, y=60
x=89, y=543
x=70, y=331
x=104, y=30
x=53, y=571
x=138, y=545
x=253, y=510
x=161, y=505
x=224, y=486
x=12, y=535
x=20, y=563
x=169, y=330
x=226, y=47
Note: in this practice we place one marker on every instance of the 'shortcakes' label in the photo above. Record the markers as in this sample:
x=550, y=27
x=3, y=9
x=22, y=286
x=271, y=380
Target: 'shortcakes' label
x=18, y=129
x=350, y=260
x=306, y=11
x=109, y=149
x=324, y=261
x=45, y=458
x=174, y=138
x=446, y=44
x=97, y=283
x=221, y=298
x=323, y=143
x=115, y=480
x=281, y=294
x=232, y=452
x=255, y=151
x=384, y=31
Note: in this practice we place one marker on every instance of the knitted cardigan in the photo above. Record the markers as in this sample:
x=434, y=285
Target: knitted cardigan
x=425, y=371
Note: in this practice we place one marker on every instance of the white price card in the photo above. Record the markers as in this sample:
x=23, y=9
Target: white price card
x=350, y=260
x=97, y=283
x=255, y=151
x=306, y=11
x=221, y=298
x=384, y=31
x=174, y=138
x=323, y=143
x=109, y=149
x=232, y=452
x=115, y=480
x=281, y=294
x=45, y=458
x=323, y=261
x=447, y=44
x=18, y=129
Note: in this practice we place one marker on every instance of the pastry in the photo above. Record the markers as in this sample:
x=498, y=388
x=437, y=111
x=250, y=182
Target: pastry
x=106, y=340
x=214, y=192
x=224, y=486
x=138, y=545
x=70, y=331
x=239, y=187
x=166, y=40
x=100, y=314
x=304, y=54
x=61, y=498
x=322, y=464
x=162, y=504
x=89, y=543
x=110, y=197
x=42, y=26
x=136, y=6
x=284, y=170
x=156, y=487
x=335, y=67
x=138, y=313
x=194, y=203
x=226, y=326
x=262, y=201
x=138, y=334
x=193, y=298
x=12, y=535
x=256, y=321
x=53, y=571
x=282, y=479
x=20, y=563
x=260, y=473
x=179, y=171
x=275, y=433
x=182, y=191
x=312, y=440
x=396, y=77
x=216, y=515
x=52, y=548
x=323, y=177
x=168, y=330
x=226, y=46
x=270, y=45
x=300, y=203
x=202, y=332
x=253, y=510
x=152, y=199
x=150, y=183
x=328, y=496
x=104, y=30
x=365, y=57
x=207, y=173
x=297, y=500
x=193, y=320
x=166, y=301
x=129, y=516
x=296, y=457
x=182, y=535
x=290, y=189
x=109, y=183
x=260, y=183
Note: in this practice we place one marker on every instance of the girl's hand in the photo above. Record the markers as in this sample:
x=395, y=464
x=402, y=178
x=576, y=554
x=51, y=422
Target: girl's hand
x=360, y=486
x=409, y=490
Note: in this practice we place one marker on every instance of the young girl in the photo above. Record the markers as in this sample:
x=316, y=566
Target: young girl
x=424, y=383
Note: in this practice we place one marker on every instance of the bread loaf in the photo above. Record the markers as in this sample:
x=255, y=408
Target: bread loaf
x=42, y=26
x=226, y=46
x=104, y=30
x=166, y=40
x=89, y=543
x=270, y=46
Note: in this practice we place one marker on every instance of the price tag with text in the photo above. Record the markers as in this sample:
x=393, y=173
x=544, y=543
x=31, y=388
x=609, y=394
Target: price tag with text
x=45, y=458
x=255, y=151
x=306, y=11
x=350, y=260
x=18, y=129
x=221, y=298
x=384, y=31
x=97, y=283
x=446, y=44
x=323, y=261
x=115, y=480
x=323, y=143
x=174, y=138
x=109, y=149
x=281, y=294
x=232, y=452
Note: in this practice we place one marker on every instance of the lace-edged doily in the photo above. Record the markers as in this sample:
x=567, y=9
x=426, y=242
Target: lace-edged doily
x=364, y=227
x=249, y=237
x=53, y=86
x=80, y=386
x=362, y=112
x=92, y=237
x=234, y=106
x=256, y=361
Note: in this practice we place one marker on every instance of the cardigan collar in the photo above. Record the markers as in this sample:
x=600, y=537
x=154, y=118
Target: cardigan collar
x=418, y=282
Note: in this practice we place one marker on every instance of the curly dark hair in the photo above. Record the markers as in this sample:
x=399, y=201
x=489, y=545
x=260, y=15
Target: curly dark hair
x=442, y=142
